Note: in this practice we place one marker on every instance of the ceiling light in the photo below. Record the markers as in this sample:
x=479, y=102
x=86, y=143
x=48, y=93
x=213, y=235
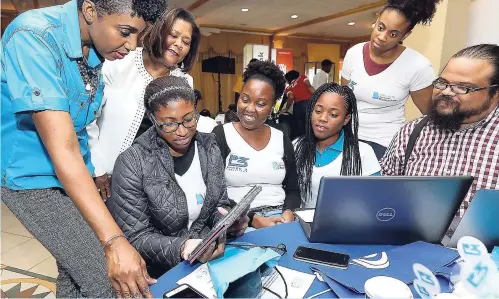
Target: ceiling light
x=294, y=16
x=245, y=9
x=351, y=23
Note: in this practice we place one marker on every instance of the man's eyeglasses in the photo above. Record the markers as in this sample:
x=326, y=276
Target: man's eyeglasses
x=458, y=89
x=188, y=122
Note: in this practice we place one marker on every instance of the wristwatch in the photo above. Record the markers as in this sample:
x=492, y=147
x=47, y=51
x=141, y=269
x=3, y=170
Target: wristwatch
x=251, y=215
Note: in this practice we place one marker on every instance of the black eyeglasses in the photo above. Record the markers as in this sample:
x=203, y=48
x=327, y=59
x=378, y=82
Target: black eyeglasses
x=189, y=122
x=458, y=89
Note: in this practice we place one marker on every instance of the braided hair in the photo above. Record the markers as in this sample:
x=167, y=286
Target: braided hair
x=415, y=11
x=165, y=90
x=306, y=145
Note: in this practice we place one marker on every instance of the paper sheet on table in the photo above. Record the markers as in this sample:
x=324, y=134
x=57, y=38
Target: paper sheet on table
x=200, y=280
x=306, y=215
x=298, y=282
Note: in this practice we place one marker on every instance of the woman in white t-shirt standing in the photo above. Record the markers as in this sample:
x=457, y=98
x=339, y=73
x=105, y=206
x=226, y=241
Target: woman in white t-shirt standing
x=257, y=154
x=170, y=49
x=330, y=146
x=383, y=73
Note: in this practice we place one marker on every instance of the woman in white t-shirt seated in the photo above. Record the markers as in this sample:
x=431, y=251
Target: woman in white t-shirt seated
x=257, y=154
x=168, y=188
x=330, y=146
x=383, y=73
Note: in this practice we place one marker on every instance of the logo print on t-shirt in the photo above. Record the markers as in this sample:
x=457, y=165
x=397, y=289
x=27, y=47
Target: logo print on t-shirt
x=383, y=97
x=278, y=165
x=199, y=199
x=352, y=84
x=237, y=163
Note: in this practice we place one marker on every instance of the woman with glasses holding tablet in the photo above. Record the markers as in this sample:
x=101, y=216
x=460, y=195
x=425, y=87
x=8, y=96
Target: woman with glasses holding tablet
x=168, y=186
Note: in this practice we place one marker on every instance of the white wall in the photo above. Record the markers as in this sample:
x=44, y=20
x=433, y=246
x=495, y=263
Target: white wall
x=483, y=22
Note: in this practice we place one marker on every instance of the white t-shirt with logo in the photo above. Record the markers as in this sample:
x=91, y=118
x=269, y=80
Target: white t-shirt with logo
x=194, y=188
x=381, y=98
x=247, y=167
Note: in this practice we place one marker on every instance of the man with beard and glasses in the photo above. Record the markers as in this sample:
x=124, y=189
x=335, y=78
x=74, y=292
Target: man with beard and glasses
x=461, y=136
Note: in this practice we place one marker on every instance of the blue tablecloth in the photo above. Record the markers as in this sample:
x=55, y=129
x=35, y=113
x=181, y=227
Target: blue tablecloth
x=290, y=234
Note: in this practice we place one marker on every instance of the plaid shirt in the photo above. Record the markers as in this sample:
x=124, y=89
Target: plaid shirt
x=473, y=151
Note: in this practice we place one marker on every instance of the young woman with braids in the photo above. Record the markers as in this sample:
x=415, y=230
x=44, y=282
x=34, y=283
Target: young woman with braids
x=169, y=185
x=257, y=154
x=383, y=73
x=330, y=146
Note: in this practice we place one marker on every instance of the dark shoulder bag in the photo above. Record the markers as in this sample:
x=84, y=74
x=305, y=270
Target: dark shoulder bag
x=412, y=140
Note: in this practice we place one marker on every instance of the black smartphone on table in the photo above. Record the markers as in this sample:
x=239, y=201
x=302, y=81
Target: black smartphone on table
x=322, y=257
x=183, y=291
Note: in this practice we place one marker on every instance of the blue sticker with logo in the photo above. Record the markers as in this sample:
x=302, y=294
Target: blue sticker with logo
x=495, y=256
x=199, y=199
x=478, y=275
x=472, y=249
x=426, y=278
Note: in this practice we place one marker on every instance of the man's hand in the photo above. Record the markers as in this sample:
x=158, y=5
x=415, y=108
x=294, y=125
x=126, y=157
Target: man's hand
x=103, y=184
x=261, y=222
x=239, y=226
x=287, y=216
x=127, y=270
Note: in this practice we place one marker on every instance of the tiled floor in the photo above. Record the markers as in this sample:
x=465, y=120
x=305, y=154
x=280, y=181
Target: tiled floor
x=28, y=269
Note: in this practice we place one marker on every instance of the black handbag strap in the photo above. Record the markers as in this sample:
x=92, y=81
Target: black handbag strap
x=413, y=138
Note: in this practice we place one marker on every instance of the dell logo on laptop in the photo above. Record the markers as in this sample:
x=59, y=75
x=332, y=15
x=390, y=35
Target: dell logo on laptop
x=385, y=214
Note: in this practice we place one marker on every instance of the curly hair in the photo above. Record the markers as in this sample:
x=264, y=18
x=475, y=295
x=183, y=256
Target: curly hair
x=165, y=90
x=415, y=11
x=306, y=145
x=267, y=72
x=149, y=10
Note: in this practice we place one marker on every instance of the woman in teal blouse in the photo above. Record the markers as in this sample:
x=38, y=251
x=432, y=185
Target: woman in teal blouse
x=51, y=89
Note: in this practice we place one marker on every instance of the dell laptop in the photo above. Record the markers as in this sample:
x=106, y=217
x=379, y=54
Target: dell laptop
x=481, y=220
x=386, y=210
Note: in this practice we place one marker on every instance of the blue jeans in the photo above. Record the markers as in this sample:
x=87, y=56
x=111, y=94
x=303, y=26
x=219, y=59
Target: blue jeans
x=272, y=213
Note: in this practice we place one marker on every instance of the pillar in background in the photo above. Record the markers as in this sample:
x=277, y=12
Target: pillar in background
x=447, y=34
x=483, y=22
